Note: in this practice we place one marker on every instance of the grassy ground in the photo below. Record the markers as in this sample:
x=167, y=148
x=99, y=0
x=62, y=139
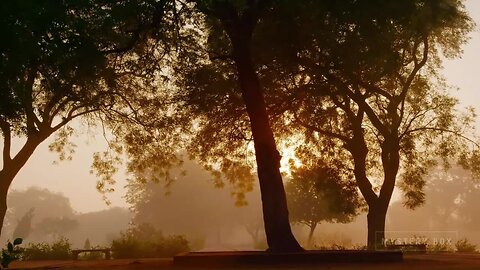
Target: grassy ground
x=411, y=262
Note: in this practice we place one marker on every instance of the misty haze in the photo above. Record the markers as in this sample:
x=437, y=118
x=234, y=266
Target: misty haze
x=223, y=133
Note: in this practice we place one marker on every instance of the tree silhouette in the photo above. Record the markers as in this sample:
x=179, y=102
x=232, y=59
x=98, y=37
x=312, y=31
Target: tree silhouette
x=65, y=61
x=56, y=227
x=362, y=79
x=318, y=193
x=192, y=206
x=24, y=225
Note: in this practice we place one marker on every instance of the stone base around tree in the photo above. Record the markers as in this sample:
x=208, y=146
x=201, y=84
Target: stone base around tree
x=239, y=258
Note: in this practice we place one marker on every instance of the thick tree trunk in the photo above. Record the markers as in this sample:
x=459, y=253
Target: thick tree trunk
x=377, y=204
x=376, y=226
x=274, y=202
x=3, y=199
x=10, y=169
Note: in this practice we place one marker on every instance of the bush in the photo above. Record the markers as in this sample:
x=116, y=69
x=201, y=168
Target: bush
x=463, y=245
x=58, y=250
x=439, y=247
x=11, y=253
x=145, y=241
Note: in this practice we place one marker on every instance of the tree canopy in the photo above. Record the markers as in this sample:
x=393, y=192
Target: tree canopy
x=321, y=194
x=70, y=60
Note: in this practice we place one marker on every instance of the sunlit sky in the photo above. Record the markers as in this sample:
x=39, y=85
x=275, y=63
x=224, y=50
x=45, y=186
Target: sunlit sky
x=73, y=179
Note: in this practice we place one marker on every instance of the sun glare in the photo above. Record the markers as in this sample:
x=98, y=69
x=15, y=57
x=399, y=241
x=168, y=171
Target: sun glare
x=287, y=151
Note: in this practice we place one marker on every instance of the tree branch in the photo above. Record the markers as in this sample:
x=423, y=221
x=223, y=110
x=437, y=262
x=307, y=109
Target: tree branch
x=7, y=142
x=456, y=133
x=321, y=131
x=31, y=117
x=416, y=68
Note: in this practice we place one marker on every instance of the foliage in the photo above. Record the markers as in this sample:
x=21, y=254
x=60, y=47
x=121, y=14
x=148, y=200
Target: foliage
x=463, y=245
x=366, y=76
x=11, y=253
x=56, y=226
x=75, y=60
x=57, y=250
x=318, y=192
x=194, y=196
x=439, y=248
x=144, y=241
x=24, y=225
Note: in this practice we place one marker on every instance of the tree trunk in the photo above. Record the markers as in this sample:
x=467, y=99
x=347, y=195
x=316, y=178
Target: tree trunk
x=10, y=169
x=274, y=202
x=3, y=199
x=312, y=227
x=376, y=226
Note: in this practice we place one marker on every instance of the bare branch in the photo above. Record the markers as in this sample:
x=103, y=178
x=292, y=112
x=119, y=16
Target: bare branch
x=321, y=131
x=416, y=68
x=456, y=133
x=357, y=98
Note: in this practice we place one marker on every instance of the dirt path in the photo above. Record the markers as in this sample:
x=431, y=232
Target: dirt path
x=411, y=262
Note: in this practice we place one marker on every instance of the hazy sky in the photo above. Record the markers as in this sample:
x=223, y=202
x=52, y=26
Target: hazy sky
x=73, y=179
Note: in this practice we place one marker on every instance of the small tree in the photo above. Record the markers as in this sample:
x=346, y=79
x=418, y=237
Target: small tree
x=319, y=193
x=24, y=226
x=87, y=244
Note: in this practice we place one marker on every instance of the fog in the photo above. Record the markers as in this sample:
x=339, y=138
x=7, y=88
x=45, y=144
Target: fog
x=209, y=219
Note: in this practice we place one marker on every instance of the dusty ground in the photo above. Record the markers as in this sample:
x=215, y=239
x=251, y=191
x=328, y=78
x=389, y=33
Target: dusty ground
x=411, y=262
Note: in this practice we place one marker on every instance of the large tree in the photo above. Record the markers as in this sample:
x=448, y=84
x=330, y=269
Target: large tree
x=232, y=27
x=367, y=77
x=363, y=74
x=63, y=60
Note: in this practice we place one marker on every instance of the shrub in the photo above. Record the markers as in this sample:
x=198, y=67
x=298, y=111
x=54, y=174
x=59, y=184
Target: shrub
x=144, y=241
x=463, y=245
x=11, y=253
x=58, y=250
x=439, y=247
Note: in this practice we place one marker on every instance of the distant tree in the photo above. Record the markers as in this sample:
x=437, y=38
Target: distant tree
x=320, y=194
x=24, y=225
x=193, y=196
x=87, y=244
x=254, y=229
x=46, y=203
x=56, y=226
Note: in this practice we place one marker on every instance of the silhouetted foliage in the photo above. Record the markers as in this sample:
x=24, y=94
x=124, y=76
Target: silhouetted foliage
x=366, y=75
x=320, y=194
x=67, y=60
x=11, y=253
x=57, y=250
x=144, y=241
x=464, y=246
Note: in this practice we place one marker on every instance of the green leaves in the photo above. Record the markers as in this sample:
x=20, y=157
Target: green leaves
x=11, y=253
x=9, y=247
x=17, y=241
